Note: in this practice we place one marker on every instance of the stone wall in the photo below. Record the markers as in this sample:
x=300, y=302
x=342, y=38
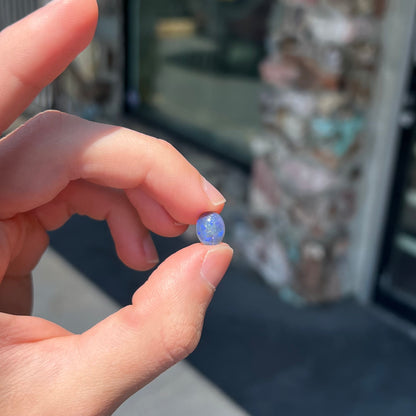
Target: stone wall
x=318, y=88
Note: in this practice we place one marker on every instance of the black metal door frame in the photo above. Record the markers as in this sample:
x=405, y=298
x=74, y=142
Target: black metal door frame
x=386, y=296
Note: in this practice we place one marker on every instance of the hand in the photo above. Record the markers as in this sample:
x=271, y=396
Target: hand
x=57, y=165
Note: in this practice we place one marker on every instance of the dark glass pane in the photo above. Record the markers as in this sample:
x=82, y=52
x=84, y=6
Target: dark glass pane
x=198, y=68
x=397, y=283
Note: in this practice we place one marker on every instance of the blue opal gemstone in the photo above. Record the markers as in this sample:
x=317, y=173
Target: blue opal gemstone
x=210, y=228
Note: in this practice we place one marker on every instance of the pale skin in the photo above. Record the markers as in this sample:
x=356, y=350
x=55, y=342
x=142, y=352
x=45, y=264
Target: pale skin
x=57, y=165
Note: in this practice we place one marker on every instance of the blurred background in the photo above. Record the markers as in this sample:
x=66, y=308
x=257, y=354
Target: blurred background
x=302, y=112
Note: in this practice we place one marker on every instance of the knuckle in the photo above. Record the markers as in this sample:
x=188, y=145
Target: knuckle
x=45, y=117
x=38, y=124
x=164, y=143
x=180, y=339
x=168, y=147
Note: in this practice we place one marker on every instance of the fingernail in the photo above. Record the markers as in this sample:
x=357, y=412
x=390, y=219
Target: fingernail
x=180, y=224
x=213, y=193
x=150, y=250
x=215, y=264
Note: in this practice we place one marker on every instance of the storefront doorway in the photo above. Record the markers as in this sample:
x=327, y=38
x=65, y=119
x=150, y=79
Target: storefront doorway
x=192, y=67
x=396, y=284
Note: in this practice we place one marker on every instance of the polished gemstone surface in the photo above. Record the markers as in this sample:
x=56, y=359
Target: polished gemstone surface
x=210, y=228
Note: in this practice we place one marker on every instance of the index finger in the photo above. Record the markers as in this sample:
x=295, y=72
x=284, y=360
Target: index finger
x=38, y=48
x=38, y=160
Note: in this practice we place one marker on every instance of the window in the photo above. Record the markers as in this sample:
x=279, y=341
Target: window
x=192, y=65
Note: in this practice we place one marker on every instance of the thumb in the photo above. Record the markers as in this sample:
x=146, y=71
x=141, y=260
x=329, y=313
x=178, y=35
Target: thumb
x=162, y=326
